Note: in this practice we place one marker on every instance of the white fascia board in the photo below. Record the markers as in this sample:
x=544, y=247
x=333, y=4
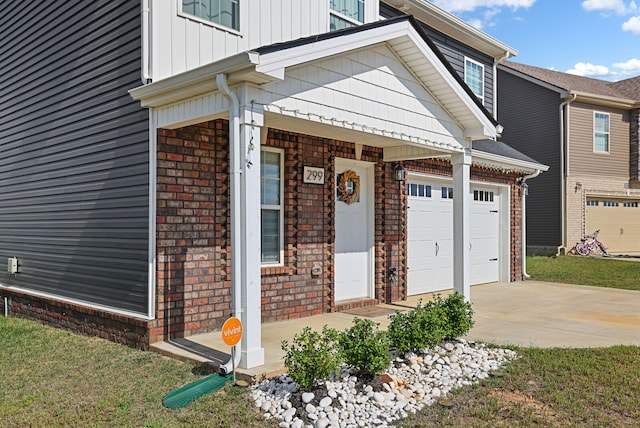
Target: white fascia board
x=287, y=57
x=194, y=82
x=506, y=163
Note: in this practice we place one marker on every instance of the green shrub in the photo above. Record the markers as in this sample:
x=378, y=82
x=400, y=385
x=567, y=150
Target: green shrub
x=313, y=356
x=459, y=316
x=427, y=325
x=365, y=347
x=421, y=327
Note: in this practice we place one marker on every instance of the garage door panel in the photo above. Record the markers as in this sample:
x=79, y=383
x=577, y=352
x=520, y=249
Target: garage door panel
x=618, y=221
x=430, y=240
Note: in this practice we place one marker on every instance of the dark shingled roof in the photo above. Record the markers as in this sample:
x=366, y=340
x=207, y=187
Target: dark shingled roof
x=628, y=89
x=501, y=149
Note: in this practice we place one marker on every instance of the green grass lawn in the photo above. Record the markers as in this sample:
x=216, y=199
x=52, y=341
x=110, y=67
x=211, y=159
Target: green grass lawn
x=54, y=378
x=596, y=271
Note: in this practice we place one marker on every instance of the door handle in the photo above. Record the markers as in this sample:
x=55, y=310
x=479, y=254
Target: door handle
x=437, y=249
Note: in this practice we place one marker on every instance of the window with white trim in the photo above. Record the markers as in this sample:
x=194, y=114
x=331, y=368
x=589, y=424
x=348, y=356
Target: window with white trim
x=221, y=12
x=601, y=132
x=345, y=14
x=474, y=77
x=271, y=204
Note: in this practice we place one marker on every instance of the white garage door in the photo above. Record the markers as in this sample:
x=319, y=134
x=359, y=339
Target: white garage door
x=430, y=236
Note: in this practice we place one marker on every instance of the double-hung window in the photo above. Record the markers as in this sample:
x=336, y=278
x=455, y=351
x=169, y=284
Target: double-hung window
x=601, y=132
x=474, y=77
x=345, y=13
x=272, y=211
x=221, y=12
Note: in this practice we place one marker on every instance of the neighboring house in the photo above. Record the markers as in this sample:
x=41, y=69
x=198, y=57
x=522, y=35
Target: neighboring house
x=586, y=130
x=275, y=170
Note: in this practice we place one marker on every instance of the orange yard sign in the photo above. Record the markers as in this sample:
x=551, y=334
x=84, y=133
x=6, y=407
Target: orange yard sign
x=232, y=331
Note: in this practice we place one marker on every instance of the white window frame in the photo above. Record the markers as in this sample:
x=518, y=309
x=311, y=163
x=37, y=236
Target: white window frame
x=280, y=208
x=482, y=77
x=213, y=23
x=346, y=18
x=607, y=133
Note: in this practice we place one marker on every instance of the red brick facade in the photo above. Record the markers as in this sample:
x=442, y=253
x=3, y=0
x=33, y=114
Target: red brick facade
x=193, y=269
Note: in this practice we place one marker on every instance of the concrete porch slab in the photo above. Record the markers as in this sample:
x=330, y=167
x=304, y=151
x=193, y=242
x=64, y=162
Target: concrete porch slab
x=530, y=313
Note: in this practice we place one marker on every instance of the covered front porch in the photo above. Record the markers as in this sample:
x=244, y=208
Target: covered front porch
x=356, y=104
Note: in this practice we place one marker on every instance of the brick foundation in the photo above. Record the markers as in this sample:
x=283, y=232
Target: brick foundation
x=118, y=328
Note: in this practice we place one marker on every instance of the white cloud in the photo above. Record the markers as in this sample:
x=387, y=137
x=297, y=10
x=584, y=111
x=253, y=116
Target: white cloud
x=617, y=6
x=589, y=70
x=633, y=25
x=628, y=68
x=470, y=5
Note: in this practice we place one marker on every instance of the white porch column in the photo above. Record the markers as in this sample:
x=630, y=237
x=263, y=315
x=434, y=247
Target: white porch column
x=461, y=163
x=251, y=121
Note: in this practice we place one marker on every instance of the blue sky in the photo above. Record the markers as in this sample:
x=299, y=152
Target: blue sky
x=593, y=38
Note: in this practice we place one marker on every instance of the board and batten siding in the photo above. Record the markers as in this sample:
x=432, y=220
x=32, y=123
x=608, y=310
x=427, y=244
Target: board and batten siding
x=583, y=160
x=531, y=119
x=455, y=53
x=181, y=43
x=74, y=170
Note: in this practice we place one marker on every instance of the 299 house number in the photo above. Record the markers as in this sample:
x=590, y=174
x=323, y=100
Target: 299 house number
x=313, y=175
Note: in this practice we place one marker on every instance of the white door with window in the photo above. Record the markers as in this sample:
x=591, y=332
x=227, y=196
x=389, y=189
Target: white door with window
x=354, y=231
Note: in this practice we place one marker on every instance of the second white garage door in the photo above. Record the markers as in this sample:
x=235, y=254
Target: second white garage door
x=430, y=236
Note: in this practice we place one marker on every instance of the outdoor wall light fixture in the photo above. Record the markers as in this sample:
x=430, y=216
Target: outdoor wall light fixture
x=400, y=172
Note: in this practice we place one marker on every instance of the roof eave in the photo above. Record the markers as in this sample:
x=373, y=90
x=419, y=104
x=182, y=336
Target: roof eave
x=505, y=163
x=454, y=27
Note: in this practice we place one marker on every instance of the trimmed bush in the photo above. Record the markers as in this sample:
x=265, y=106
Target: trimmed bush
x=365, y=347
x=459, y=316
x=313, y=356
x=427, y=325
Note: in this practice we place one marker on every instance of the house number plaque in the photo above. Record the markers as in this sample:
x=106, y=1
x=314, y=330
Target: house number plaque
x=313, y=175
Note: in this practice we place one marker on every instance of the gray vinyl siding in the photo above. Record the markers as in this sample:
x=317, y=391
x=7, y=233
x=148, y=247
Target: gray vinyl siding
x=74, y=171
x=531, y=120
x=455, y=53
x=582, y=158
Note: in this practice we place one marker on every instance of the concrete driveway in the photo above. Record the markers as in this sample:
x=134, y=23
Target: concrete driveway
x=543, y=314
x=529, y=313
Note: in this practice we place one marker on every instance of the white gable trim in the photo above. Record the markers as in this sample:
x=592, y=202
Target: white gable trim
x=255, y=67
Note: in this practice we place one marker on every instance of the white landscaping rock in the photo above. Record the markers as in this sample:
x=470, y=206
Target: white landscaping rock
x=418, y=380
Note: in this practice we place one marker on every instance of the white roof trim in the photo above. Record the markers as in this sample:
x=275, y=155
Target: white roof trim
x=258, y=67
x=505, y=163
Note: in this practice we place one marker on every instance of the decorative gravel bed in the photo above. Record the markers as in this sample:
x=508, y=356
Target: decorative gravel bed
x=411, y=382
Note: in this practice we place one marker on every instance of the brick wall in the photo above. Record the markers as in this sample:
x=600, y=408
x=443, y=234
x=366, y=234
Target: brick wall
x=193, y=278
x=192, y=241
x=118, y=328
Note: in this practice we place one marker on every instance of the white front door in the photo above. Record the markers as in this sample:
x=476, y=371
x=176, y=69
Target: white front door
x=353, y=225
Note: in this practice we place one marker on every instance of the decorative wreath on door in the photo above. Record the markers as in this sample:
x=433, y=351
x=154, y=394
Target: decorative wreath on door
x=348, y=187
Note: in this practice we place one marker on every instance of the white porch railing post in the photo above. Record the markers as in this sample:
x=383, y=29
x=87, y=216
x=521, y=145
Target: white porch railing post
x=461, y=163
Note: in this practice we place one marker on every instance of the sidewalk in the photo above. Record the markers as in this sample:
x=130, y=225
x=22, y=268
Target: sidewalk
x=530, y=313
